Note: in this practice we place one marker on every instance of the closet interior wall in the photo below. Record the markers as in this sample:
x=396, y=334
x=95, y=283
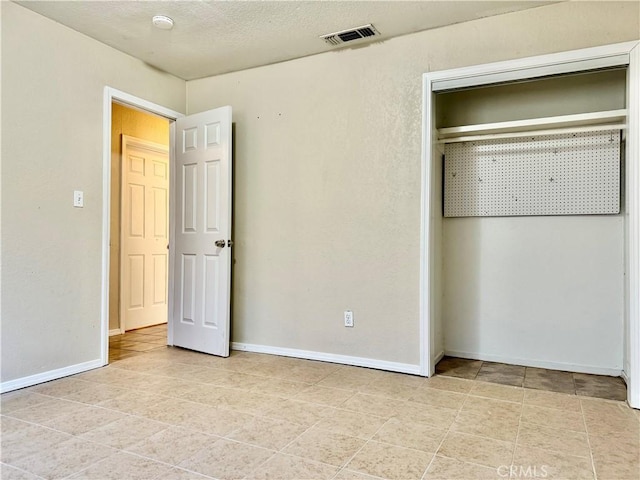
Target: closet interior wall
x=544, y=291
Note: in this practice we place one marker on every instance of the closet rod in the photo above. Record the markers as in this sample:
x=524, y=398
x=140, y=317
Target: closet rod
x=534, y=133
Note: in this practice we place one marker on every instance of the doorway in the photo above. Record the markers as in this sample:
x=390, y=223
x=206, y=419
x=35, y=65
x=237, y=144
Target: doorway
x=138, y=117
x=198, y=297
x=139, y=221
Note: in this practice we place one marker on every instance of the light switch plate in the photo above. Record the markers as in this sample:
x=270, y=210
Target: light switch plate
x=78, y=198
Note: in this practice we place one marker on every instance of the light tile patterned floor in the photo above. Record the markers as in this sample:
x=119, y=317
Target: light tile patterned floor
x=174, y=414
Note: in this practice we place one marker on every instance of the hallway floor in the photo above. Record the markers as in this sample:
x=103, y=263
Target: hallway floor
x=169, y=413
x=137, y=342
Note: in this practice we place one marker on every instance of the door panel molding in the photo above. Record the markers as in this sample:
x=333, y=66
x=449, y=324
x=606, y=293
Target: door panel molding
x=143, y=234
x=203, y=230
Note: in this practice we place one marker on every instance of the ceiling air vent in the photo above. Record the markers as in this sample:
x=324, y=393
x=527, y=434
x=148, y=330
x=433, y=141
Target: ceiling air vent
x=344, y=36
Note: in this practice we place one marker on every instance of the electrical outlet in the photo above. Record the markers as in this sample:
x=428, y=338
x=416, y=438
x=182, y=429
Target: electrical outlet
x=348, y=318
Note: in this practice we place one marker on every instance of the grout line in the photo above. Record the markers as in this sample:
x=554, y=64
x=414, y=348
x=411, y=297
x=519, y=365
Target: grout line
x=475, y=377
x=515, y=443
x=586, y=429
x=138, y=455
x=446, y=434
x=575, y=387
x=281, y=450
x=22, y=470
x=363, y=445
x=468, y=461
x=92, y=464
x=79, y=435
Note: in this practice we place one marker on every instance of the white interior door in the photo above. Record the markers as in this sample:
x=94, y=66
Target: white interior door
x=144, y=233
x=202, y=246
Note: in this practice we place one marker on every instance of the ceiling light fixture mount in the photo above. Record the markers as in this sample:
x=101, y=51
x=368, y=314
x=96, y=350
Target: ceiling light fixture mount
x=162, y=22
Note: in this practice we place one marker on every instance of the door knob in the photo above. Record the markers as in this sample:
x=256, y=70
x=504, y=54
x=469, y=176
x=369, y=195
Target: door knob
x=220, y=243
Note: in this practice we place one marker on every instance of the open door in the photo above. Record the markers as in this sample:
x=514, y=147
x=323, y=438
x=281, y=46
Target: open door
x=202, y=246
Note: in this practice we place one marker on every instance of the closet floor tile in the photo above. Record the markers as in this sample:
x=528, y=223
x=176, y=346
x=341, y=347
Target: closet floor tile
x=549, y=380
x=586, y=385
x=501, y=373
x=610, y=388
x=458, y=367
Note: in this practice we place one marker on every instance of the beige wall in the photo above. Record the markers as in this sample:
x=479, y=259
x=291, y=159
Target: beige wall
x=53, y=81
x=327, y=190
x=125, y=121
x=327, y=175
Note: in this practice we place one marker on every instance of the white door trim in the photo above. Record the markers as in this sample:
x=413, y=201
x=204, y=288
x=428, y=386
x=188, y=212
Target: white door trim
x=627, y=53
x=632, y=335
x=113, y=95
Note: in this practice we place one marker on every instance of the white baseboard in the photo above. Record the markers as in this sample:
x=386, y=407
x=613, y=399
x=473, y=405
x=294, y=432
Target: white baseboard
x=115, y=331
x=329, y=357
x=625, y=377
x=567, y=367
x=31, y=380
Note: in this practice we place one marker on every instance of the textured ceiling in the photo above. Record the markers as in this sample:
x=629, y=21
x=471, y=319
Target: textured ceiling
x=214, y=37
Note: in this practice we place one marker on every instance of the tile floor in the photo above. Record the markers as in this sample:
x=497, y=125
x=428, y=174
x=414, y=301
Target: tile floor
x=170, y=413
x=610, y=388
x=137, y=342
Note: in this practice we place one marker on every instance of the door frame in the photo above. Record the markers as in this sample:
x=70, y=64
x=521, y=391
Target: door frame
x=627, y=54
x=114, y=95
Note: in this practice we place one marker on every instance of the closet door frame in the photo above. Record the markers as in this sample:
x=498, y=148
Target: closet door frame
x=621, y=54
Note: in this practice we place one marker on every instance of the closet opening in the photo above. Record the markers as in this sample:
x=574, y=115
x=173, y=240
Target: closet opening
x=533, y=225
x=528, y=224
